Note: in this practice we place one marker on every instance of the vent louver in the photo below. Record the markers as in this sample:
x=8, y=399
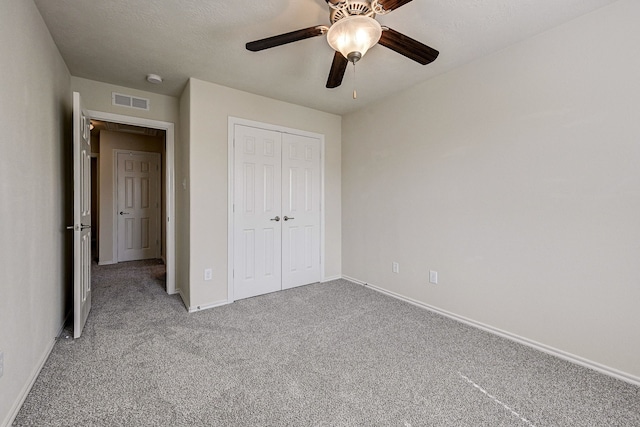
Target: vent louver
x=123, y=100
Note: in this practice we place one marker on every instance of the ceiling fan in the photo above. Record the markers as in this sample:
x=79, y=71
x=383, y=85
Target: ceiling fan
x=353, y=31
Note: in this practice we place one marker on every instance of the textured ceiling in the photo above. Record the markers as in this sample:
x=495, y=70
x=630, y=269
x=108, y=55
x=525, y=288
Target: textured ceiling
x=121, y=41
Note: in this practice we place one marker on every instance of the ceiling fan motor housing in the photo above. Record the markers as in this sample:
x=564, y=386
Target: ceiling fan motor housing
x=346, y=8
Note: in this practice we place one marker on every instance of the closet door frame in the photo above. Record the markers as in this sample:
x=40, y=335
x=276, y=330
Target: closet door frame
x=233, y=121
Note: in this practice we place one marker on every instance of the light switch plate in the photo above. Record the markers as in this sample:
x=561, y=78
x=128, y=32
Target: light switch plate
x=433, y=277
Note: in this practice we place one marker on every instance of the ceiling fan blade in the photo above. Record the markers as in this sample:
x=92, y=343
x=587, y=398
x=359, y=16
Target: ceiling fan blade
x=338, y=67
x=407, y=46
x=291, y=37
x=389, y=5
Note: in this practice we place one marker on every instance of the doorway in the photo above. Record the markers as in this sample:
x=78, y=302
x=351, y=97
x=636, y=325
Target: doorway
x=276, y=214
x=115, y=134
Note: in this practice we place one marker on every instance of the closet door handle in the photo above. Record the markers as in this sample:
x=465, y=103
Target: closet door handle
x=286, y=218
x=277, y=218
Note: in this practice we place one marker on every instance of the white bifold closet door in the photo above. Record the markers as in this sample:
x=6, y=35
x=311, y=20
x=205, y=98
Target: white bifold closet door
x=276, y=211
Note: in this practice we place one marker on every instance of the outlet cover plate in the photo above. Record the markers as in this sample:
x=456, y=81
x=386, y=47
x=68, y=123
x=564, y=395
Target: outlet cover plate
x=208, y=274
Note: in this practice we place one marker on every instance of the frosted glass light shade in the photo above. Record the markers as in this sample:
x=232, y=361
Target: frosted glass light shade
x=353, y=36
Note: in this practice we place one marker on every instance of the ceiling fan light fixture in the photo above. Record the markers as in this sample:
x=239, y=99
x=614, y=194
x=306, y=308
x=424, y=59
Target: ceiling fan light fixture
x=353, y=36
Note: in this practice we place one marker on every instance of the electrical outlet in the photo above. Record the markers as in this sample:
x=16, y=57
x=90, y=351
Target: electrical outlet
x=1, y=364
x=395, y=267
x=208, y=274
x=433, y=277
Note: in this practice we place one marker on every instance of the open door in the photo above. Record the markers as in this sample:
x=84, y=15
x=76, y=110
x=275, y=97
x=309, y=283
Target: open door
x=81, y=217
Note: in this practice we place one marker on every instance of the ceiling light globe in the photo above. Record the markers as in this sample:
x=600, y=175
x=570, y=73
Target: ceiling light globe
x=353, y=36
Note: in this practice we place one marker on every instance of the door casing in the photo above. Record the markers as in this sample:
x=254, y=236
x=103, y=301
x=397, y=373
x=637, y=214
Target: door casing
x=233, y=121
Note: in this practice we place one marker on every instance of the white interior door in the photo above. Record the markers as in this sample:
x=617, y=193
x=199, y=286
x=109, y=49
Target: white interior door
x=257, y=218
x=300, y=210
x=81, y=217
x=276, y=213
x=138, y=205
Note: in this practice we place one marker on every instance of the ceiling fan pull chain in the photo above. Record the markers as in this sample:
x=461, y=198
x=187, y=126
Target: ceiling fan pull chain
x=355, y=94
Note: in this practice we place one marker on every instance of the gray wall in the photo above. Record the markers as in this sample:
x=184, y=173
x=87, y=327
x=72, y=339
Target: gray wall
x=209, y=107
x=183, y=211
x=35, y=173
x=517, y=178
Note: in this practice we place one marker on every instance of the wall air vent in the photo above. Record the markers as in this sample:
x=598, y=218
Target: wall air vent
x=129, y=101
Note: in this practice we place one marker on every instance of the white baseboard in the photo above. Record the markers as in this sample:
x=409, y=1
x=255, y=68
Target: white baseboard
x=624, y=376
x=110, y=262
x=208, y=306
x=356, y=281
x=22, y=396
x=329, y=279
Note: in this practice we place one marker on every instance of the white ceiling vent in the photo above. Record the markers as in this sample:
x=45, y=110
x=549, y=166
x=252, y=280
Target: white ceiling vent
x=129, y=101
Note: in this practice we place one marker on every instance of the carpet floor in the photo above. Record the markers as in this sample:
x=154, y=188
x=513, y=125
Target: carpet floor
x=333, y=354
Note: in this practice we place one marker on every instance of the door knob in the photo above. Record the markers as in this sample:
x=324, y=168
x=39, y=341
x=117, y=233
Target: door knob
x=124, y=213
x=82, y=227
x=286, y=218
x=277, y=218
